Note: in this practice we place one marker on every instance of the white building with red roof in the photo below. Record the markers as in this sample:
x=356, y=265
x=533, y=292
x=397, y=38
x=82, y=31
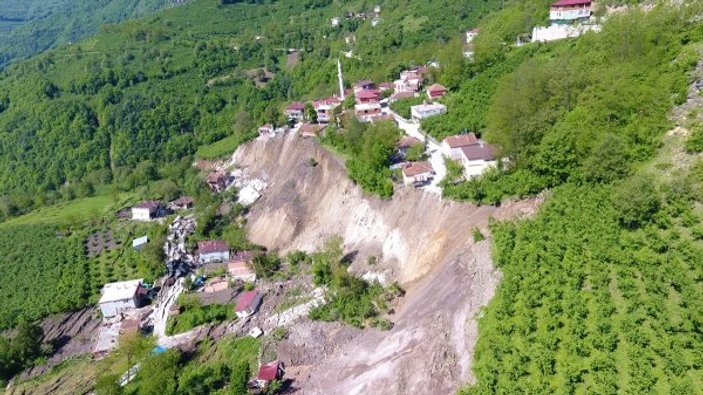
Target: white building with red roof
x=248, y=304
x=295, y=111
x=363, y=85
x=435, y=91
x=451, y=145
x=365, y=112
x=417, y=173
x=213, y=251
x=239, y=267
x=368, y=96
x=476, y=159
x=146, y=210
x=569, y=11
x=325, y=108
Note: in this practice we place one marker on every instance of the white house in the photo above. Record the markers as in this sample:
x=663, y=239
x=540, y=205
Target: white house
x=477, y=158
x=239, y=268
x=213, y=251
x=569, y=11
x=248, y=304
x=145, y=211
x=120, y=296
x=365, y=112
x=325, y=109
x=451, y=145
x=423, y=111
x=417, y=173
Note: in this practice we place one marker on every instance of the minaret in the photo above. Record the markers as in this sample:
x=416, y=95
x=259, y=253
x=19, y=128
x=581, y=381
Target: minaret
x=341, y=80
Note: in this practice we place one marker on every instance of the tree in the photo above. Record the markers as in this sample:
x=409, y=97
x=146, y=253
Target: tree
x=239, y=379
x=158, y=373
x=310, y=112
x=266, y=265
x=107, y=384
x=636, y=201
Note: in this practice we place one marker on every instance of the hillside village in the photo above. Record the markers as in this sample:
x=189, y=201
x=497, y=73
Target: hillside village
x=283, y=262
x=215, y=274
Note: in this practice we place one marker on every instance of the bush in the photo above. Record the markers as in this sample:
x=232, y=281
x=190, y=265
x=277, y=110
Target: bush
x=477, y=235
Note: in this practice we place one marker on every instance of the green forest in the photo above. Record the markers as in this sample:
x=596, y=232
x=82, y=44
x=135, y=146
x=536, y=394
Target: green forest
x=158, y=89
x=28, y=27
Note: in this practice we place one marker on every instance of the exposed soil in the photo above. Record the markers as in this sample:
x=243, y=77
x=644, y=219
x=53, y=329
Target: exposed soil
x=70, y=334
x=421, y=241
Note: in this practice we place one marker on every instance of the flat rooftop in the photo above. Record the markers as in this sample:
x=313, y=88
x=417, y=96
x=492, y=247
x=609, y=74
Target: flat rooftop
x=120, y=290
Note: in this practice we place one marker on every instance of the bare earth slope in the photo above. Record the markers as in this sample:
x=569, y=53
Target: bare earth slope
x=423, y=242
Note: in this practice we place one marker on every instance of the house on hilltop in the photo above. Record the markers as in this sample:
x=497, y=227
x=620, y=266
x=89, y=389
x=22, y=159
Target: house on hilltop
x=436, y=91
x=325, y=109
x=426, y=110
x=417, y=173
x=121, y=296
x=295, y=111
x=183, y=203
x=570, y=11
x=477, y=158
x=451, y=145
x=213, y=251
x=147, y=210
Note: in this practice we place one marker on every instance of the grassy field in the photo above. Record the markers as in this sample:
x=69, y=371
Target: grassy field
x=74, y=212
x=222, y=147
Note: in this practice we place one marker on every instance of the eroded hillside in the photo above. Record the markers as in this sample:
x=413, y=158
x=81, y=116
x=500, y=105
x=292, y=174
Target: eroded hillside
x=423, y=242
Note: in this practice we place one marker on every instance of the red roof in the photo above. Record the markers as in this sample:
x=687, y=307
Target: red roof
x=246, y=300
x=149, y=204
x=462, y=140
x=210, y=246
x=296, y=106
x=402, y=95
x=407, y=142
x=565, y=3
x=269, y=371
x=414, y=168
x=367, y=94
x=476, y=152
x=436, y=88
x=243, y=256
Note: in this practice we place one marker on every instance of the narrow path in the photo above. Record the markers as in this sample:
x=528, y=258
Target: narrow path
x=434, y=150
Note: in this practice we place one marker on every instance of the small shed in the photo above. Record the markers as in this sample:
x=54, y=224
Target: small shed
x=140, y=242
x=270, y=372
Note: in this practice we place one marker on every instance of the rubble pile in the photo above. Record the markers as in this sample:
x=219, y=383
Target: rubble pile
x=178, y=260
x=249, y=188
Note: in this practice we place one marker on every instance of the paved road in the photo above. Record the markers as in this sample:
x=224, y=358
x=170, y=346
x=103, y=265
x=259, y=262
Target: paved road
x=412, y=129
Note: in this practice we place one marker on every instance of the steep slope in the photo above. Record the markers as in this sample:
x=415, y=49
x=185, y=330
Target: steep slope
x=423, y=242
x=305, y=204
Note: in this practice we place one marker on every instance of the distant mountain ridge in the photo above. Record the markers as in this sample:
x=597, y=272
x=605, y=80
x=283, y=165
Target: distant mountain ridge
x=28, y=27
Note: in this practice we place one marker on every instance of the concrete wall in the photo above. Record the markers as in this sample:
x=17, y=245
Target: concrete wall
x=141, y=214
x=111, y=309
x=558, y=32
x=214, y=257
